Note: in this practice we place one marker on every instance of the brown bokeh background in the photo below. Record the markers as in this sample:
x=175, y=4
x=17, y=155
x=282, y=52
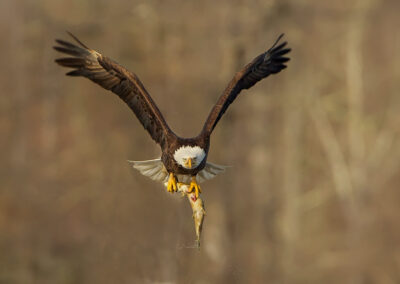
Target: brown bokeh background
x=313, y=192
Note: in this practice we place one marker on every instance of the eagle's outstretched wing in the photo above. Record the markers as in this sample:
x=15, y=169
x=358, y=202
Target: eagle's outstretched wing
x=269, y=62
x=112, y=76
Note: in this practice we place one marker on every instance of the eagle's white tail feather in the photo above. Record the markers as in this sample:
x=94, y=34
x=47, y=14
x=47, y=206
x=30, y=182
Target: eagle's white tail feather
x=155, y=170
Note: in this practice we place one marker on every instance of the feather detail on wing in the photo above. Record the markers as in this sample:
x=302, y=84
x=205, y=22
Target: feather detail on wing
x=112, y=76
x=267, y=63
x=210, y=171
x=153, y=169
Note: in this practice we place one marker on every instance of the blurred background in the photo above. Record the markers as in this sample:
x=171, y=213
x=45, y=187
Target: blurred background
x=313, y=192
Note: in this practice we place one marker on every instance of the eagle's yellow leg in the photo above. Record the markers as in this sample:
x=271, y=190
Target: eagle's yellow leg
x=171, y=187
x=195, y=186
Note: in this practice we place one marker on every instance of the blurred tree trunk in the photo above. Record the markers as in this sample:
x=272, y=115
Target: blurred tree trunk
x=290, y=215
x=21, y=95
x=358, y=212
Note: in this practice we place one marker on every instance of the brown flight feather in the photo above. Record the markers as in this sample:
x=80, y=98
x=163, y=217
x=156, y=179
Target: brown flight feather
x=267, y=63
x=112, y=76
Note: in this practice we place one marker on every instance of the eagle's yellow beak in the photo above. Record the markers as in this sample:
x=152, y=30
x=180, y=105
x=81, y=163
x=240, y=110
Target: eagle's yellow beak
x=188, y=163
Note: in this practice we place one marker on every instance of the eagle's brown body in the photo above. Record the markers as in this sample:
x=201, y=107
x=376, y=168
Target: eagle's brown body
x=177, y=152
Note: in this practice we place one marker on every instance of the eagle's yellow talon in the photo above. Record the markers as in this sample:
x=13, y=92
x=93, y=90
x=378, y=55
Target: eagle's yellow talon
x=171, y=187
x=195, y=186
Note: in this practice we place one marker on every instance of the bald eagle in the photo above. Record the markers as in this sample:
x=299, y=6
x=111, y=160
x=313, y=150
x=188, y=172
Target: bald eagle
x=183, y=160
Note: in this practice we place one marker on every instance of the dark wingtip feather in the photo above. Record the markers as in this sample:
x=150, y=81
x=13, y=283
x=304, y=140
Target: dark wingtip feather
x=281, y=52
x=77, y=40
x=71, y=62
x=276, y=52
x=59, y=61
x=282, y=59
x=74, y=73
x=277, y=41
x=279, y=47
x=65, y=43
x=70, y=51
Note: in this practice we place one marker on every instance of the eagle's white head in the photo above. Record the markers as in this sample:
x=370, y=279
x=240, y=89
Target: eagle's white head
x=189, y=157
